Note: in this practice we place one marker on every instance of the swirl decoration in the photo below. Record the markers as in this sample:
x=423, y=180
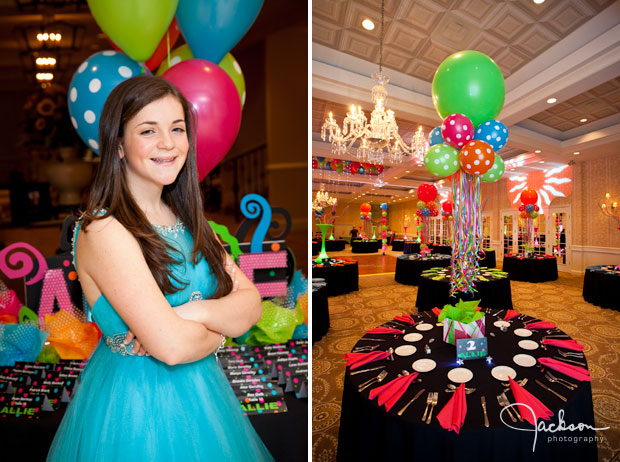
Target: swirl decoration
x=251, y=206
x=18, y=260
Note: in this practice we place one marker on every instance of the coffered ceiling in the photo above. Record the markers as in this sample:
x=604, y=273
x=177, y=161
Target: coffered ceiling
x=565, y=49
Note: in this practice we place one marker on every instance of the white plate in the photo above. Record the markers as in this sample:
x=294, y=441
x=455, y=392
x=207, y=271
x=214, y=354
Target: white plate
x=424, y=326
x=460, y=375
x=528, y=344
x=523, y=332
x=503, y=372
x=424, y=365
x=405, y=350
x=413, y=337
x=501, y=324
x=524, y=360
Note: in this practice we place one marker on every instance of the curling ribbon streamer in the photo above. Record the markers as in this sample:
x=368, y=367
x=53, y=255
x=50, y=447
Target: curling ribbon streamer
x=467, y=232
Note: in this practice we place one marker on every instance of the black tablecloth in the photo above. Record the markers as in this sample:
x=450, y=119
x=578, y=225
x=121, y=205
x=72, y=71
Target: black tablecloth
x=488, y=260
x=369, y=433
x=494, y=293
x=397, y=245
x=341, y=278
x=365, y=246
x=602, y=286
x=316, y=247
x=411, y=247
x=284, y=434
x=335, y=245
x=442, y=249
x=408, y=270
x=531, y=269
x=320, y=313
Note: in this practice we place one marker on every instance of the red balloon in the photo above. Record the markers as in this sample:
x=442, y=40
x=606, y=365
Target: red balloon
x=162, y=49
x=315, y=163
x=447, y=206
x=521, y=208
x=365, y=207
x=457, y=130
x=218, y=108
x=427, y=192
x=529, y=196
x=355, y=166
x=477, y=157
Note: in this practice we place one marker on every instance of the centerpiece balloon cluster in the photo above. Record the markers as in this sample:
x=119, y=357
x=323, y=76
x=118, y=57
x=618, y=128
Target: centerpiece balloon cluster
x=365, y=215
x=468, y=93
x=384, y=208
x=203, y=69
x=529, y=211
x=427, y=208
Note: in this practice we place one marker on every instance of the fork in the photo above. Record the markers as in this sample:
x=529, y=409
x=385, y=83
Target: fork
x=434, y=402
x=501, y=403
x=552, y=378
x=569, y=354
x=378, y=378
x=429, y=400
x=514, y=409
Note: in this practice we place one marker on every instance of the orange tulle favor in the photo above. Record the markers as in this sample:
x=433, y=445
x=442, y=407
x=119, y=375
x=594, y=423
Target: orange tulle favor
x=71, y=338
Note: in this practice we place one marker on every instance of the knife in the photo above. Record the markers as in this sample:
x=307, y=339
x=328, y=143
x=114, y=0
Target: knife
x=552, y=391
x=417, y=395
x=559, y=358
x=367, y=370
x=484, y=409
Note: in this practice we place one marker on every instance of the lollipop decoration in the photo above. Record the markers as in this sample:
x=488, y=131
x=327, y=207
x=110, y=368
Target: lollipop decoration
x=384, y=207
x=18, y=260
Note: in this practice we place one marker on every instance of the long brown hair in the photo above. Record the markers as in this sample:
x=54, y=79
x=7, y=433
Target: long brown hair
x=110, y=193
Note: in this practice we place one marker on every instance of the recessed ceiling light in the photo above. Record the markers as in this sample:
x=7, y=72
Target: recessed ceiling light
x=396, y=178
x=537, y=151
x=407, y=171
x=576, y=153
x=583, y=120
x=551, y=100
x=542, y=162
x=368, y=24
x=538, y=2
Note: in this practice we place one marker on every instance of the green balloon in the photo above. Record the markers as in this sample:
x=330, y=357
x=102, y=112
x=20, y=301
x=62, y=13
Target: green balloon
x=383, y=227
x=133, y=26
x=533, y=214
x=384, y=214
x=232, y=68
x=177, y=55
x=494, y=173
x=470, y=83
x=421, y=204
x=442, y=160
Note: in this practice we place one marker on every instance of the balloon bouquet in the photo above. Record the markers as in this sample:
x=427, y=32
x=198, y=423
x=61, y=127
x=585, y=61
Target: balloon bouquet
x=446, y=215
x=384, y=207
x=145, y=35
x=468, y=93
x=427, y=192
x=365, y=216
x=529, y=211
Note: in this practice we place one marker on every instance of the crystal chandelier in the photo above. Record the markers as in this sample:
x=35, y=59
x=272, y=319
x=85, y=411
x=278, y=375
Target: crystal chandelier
x=379, y=140
x=323, y=200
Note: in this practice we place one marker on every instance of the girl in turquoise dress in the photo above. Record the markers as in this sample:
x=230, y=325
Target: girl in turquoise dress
x=163, y=292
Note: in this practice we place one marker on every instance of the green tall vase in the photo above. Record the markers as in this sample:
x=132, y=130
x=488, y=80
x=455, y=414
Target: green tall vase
x=324, y=227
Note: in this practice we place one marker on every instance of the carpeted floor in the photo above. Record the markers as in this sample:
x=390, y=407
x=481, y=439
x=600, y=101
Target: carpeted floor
x=380, y=298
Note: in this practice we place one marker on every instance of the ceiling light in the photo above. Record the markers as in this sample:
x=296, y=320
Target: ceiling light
x=45, y=76
x=542, y=162
x=576, y=153
x=538, y=2
x=396, y=178
x=583, y=120
x=551, y=100
x=368, y=24
x=537, y=151
x=407, y=171
x=411, y=191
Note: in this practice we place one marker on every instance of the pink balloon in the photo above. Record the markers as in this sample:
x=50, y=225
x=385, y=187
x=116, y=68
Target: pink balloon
x=218, y=108
x=457, y=130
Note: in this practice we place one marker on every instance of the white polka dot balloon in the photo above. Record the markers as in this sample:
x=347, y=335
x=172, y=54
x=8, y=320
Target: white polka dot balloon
x=90, y=86
x=493, y=132
x=457, y=130
x=476, y=157
x=495, y=172
x=442, y=160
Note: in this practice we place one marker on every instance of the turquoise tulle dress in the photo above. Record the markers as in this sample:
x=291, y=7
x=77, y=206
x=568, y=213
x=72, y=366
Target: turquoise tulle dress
x=138, y=408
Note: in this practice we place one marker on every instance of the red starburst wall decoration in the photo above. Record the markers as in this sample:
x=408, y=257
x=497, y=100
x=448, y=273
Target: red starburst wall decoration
x=549, y=184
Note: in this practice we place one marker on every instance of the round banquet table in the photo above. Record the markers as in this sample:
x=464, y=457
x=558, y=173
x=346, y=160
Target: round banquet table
x=527, y=269
x=601, y=286
x=489, y=259
x=341, y=275
x=365, y=246
x=397, y=245
x=335, y=245
x=494, y=293
x=443, y=249
x=369, y=433
x=316, y=247
x=409, y=267
x=320, y=311
x=410, y=247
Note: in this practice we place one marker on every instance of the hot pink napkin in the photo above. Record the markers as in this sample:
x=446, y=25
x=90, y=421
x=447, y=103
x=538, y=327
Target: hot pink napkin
x=436, y=311
x=575, y=372
x=356, y=360
x=405, y=318
x=540, y=325
x=452, y=416
x=522, y=396
x=511, y=314
x=391, y=392
x=568, y=344
x=384, y=330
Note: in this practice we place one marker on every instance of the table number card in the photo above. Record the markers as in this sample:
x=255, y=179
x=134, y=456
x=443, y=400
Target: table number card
x=471, y=348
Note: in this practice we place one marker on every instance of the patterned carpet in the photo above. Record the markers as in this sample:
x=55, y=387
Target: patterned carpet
x=380, y=298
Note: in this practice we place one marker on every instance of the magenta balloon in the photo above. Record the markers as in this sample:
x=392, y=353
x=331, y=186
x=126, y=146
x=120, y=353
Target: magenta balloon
x=218, y=108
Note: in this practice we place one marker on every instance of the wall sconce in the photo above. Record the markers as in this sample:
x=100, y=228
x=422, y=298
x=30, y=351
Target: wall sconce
x=610, y=210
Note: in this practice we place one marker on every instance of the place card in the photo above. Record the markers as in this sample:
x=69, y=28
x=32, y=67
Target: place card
x=471, y=348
